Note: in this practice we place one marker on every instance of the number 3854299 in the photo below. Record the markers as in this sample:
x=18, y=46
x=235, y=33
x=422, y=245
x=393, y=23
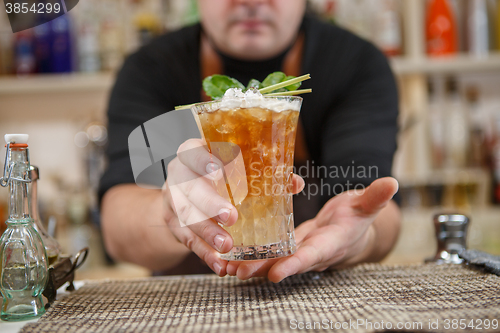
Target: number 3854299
x=36, y=8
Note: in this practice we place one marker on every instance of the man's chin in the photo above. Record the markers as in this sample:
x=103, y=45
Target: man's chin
x=253, y=50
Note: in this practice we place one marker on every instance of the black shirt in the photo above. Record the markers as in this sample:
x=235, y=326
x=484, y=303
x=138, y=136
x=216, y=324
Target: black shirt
x=349, y=121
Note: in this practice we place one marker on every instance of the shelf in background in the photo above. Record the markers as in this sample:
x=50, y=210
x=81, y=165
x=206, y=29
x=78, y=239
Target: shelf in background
x=446, y=177
x=82, y=82
x=478, y=178
x=462, y=63
x=56, y=83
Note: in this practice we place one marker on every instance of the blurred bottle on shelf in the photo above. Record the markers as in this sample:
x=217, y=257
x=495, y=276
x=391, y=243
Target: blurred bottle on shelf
x=43, y=47
x=457, y=129
x=2, y=60
x=330, y=10
x=477, y=28
x=191, y=15
x=491, y=11
x=460, y=11
x=412, y=197
x=88, y=43
x=477, y=156
x=6, y=54
x=327, y=9
x=24, y=53
x=441, y=28
x=147, y=27
x=436, y=122
x=434, y=195
x=4, y=31
x=111, y=37
x=178, y=13
x=356, y=16
x=387, y=26
x=495, y=163
x=497, y=27
x=62, y=45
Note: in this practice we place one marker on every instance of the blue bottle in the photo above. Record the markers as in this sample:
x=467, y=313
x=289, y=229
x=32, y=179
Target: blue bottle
x=62, y=45
x=43, y=47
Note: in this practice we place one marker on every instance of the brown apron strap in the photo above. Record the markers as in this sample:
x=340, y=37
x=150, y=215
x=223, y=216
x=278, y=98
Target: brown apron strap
x=210, y=63
x=293, y=59
x=291, y=66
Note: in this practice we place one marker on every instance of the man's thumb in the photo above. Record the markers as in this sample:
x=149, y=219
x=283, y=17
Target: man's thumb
x=377, y=195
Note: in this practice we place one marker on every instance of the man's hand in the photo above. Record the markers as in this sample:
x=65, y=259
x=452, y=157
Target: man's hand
x=342, y=234
x=190, y=197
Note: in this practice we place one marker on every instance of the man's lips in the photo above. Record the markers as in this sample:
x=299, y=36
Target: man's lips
x=251, y=24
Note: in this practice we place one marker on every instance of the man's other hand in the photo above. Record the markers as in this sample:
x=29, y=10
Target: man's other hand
x=342, y=234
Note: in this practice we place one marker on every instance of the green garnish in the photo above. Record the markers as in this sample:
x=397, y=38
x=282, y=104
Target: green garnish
x=295, y=86
x=254, y=84
x=272, y=79
x=275, y=84
x=216, y=85
x=285, y=84
x=289, y=93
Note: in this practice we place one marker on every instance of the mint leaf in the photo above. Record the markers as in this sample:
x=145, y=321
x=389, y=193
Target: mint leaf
x=253, y=84
x=216, y=85
x=278, y=77
x=273, y=79
x=293, y=86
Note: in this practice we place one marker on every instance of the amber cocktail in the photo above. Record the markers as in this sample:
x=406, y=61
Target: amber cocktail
x=255, y=140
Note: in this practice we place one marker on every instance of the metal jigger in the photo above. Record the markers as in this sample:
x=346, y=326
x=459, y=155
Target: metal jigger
x=451, y=233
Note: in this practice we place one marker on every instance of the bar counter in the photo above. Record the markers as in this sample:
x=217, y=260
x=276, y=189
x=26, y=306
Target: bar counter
x=366, y=298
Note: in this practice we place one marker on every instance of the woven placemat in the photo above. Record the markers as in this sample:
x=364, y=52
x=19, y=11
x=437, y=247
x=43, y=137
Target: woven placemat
x=366, y=298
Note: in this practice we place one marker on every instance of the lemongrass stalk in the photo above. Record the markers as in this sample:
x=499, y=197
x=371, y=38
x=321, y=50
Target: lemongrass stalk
x=289, y=93
x=182, y=107
x=284, y=84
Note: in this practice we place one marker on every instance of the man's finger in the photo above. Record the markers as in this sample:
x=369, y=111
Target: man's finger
x=188, y=191
x=298, y=184
x=194, y=154
x=214, y=235
x=377, y=195
x=200, y=248
x=203, y=196
x=189, y=216
x=306, y=256
x=247, y=270
x=232, y=267
x=324, y=247
x=303, y=230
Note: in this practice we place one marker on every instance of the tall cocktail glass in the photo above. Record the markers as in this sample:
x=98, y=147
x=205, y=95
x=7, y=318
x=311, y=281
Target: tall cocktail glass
x=255, y=141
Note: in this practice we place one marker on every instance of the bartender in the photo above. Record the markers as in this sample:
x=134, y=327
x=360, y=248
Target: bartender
x=348, y=124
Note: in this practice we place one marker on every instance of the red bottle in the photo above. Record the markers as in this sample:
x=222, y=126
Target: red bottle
x=441, y=29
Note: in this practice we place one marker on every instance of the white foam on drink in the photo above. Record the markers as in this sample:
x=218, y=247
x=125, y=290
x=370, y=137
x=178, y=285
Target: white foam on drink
x=235, y=98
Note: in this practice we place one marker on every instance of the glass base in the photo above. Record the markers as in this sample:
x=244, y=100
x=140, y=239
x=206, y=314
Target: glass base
x=271, y=251
x=21, y=312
